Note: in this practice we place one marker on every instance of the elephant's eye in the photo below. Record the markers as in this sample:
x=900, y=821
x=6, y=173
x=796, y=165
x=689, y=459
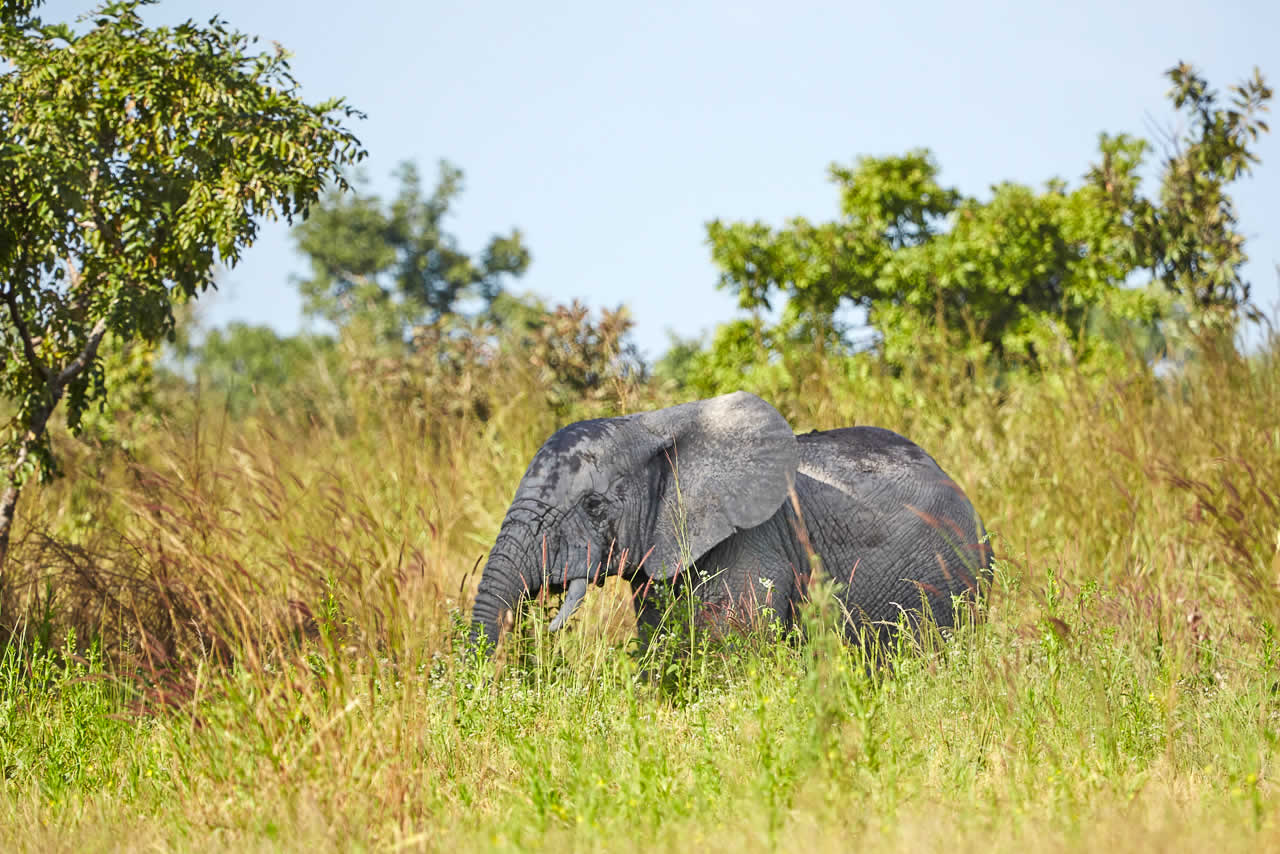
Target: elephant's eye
x=594, y=504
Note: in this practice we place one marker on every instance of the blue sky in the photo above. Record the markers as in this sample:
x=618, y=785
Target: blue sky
x=611, y=132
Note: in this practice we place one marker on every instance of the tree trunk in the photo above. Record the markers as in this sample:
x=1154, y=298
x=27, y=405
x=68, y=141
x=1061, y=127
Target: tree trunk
x=13, y=488
x=57, y=385
x=8, y=506
x=8, y=510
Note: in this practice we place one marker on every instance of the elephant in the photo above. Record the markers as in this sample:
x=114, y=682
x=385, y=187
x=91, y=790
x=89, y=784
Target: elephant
x=719, y=497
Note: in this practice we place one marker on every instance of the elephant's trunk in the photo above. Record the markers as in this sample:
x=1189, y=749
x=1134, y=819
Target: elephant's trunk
x=502, y=588
x=513, y=572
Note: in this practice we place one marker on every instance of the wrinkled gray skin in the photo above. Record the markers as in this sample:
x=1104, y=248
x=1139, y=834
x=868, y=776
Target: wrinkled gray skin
x=701, y=494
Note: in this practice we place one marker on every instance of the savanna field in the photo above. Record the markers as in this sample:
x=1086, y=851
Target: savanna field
x=247, y=633
x=237, y=566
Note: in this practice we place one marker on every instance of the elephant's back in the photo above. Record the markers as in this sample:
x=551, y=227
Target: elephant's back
x=855, y=452
x=881, y=468
x=889, y=518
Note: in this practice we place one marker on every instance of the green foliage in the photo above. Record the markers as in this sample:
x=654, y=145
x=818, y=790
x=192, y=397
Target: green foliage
x=394, y=262
x=253, y=366
x=888, y=204
x=54, y=704
x=1190, y=237
x=16, y=12
x=572, y=361
x=1029, y=276
x=752, y=355
x=127, y=389
x=580, y=360
x=134, y=159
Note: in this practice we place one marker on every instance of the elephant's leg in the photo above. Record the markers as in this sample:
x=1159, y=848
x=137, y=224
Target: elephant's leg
x=771, y=594
x=659, y=609
x=753, y=579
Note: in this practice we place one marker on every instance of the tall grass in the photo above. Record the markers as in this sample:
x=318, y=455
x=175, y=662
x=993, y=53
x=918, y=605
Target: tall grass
x=242, y=635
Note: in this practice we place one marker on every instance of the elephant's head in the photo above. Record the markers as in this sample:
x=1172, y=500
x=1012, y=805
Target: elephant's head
x=647, y=492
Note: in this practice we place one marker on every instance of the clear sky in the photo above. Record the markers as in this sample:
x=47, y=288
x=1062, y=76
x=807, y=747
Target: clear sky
x=611, y=132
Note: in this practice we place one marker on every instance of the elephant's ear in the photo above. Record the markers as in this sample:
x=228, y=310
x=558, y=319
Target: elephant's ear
x=720, y=465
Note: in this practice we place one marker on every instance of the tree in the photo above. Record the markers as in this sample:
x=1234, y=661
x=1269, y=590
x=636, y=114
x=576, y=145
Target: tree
x=133, y=159
x=1020, y=268
x=394, y=263
x=1190, y=239
x=1027, y=272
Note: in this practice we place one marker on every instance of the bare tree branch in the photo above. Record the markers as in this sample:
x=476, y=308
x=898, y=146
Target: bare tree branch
x=73, y=275
x=28, y=346
x=86, y=355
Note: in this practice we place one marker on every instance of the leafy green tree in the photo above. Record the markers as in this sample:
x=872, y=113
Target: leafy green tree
x=888, y=204
x=1026, y=273
x=134, y=158
x=393, y=263
x=1019, y=268
x=1189, y=238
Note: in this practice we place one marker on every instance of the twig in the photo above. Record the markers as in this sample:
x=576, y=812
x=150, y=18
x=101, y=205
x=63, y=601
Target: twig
x=28, y=347
x=86, y=355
